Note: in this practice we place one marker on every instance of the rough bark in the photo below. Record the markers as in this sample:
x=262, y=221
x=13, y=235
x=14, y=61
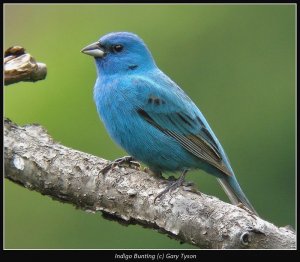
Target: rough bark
x=35, y=161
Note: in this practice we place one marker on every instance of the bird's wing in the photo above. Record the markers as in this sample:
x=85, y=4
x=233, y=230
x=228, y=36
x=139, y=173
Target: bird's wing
x=167, y=108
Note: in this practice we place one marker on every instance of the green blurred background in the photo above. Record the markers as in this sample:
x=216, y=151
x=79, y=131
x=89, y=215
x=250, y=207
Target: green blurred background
x=236, y=62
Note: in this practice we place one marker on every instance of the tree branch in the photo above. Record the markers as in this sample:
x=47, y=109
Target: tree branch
x=21, y=66
x=35, y=161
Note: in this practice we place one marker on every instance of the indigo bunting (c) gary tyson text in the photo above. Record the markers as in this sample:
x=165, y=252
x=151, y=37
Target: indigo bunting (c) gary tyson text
x=151, y=117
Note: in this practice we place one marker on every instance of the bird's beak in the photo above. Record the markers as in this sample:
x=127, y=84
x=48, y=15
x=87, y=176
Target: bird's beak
x=94, y=50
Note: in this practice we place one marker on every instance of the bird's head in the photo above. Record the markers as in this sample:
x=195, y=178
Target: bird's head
x=120, y=52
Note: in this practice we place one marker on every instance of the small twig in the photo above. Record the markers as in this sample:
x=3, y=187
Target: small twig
x=21, y=66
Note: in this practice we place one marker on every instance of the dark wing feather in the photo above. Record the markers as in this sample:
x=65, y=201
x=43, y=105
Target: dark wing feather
x=190, y=133
x=164, y=105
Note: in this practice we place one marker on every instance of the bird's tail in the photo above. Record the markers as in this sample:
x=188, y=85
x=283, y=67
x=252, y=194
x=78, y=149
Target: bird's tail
x=234, y=192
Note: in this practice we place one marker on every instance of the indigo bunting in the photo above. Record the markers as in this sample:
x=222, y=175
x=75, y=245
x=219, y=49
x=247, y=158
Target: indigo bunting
x=152, y=118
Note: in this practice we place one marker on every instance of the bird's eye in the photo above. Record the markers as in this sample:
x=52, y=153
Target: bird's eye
x=117, y=48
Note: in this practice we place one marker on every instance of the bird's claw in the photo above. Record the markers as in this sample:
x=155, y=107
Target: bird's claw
x=128, y=160
x=172, y=186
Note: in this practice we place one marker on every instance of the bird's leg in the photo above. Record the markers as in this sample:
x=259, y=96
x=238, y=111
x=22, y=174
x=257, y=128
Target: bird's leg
x=129, y=160
x=173, y=185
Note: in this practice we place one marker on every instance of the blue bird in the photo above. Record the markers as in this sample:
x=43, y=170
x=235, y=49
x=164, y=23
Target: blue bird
x=152, y=118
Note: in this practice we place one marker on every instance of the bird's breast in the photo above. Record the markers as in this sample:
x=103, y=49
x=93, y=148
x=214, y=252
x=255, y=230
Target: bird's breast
x=116, y=111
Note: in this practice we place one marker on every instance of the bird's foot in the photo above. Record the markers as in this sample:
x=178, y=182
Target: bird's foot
x=126, y=160
x=172, y=185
